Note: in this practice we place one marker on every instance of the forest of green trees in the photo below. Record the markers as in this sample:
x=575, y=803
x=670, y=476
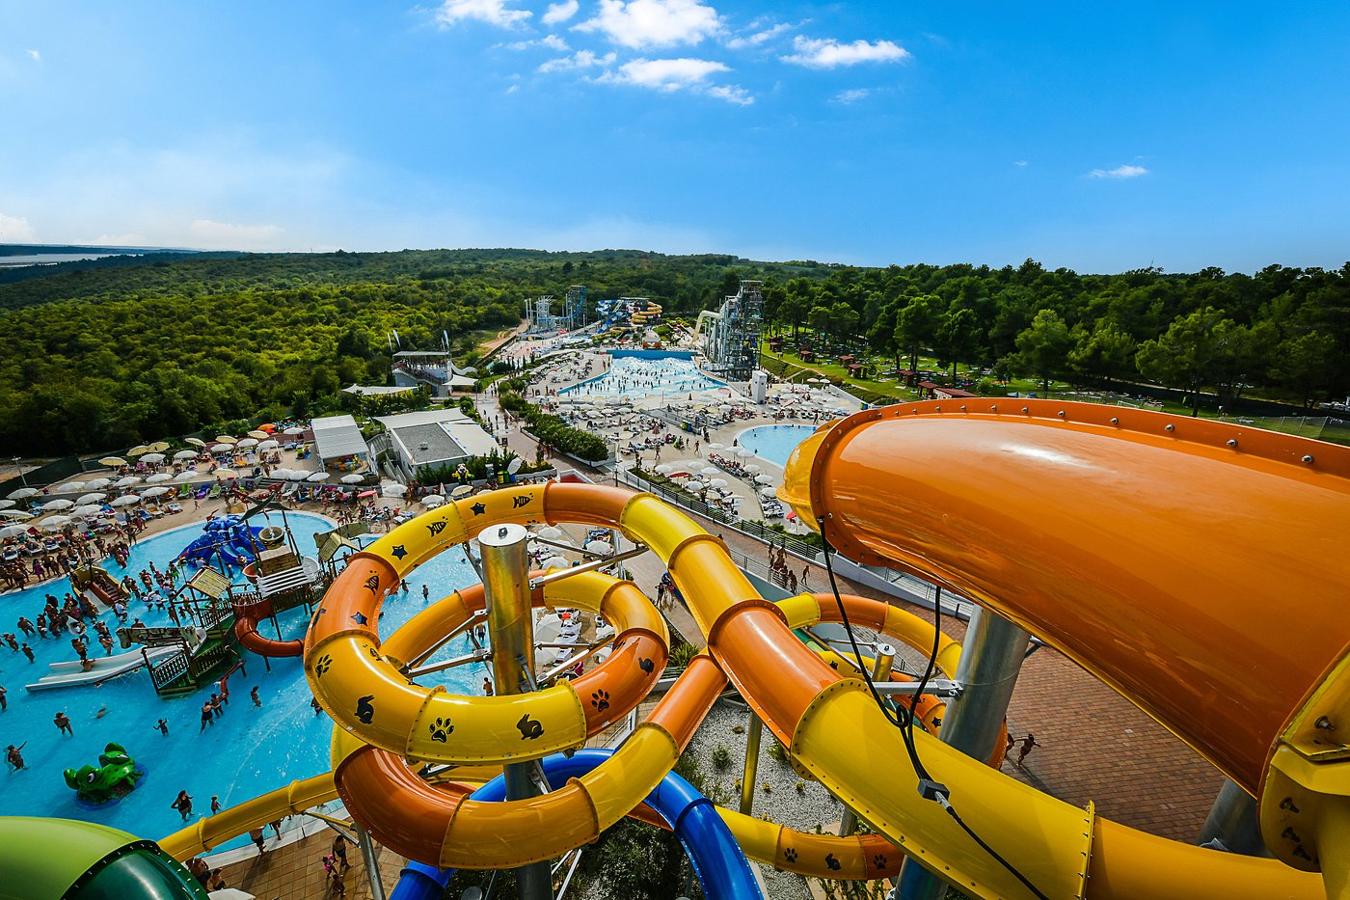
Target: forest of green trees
x=102, y=357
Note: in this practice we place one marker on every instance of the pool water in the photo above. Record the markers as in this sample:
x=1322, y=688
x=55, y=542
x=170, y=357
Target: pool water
x=646, y=377
x=774, y=442
x=246, y=752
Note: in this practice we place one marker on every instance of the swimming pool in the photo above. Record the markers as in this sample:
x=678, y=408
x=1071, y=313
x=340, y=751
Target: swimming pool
x=774, y=442
x=246, y=752
x=643, y=376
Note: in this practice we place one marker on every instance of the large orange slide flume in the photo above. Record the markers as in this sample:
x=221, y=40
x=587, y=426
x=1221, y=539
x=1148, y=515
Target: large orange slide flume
x=1179, y=564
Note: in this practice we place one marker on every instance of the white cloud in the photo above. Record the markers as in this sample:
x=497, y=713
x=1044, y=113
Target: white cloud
x=15, y=230
x=512, y=89
x=732, y=93
x=210, y=234
x=683, y=74
x=654, y=23
x=560, y=12
x=551, y=41
x=1125, y=171
x=758, y=38
x=666, y=75
x=493, y=12
x=1021, y=163
x=35, y=56
x=851, y=96
x=582, y=59
x=827, y=53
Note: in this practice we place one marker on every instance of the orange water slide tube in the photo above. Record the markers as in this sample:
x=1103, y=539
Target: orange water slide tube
x=1189, y=564
x=246, y=619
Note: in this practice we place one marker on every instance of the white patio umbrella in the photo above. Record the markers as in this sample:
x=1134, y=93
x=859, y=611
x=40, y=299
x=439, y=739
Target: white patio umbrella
x=282, y=474
x=196, y=442
x=23, y=493
x=716, y=446
x=10, y=531
x=353, y=478
x=222, y=448
x=70, y=487
x=159, y=478
x=88, y=511
x=52, y=522
x=226, y=439
x=112, y=462
x=16, y=514
x=753, y=468
x=222, y=474
x=709, y=471
x=126, y=500
x=268, y=444
x=599, y=548
x=550, y=532
x=185, y=454
x=763, y=479
x=718, y=483
x=246, y=443
x=126, y=481
x=186, y=476
x=431, y=501
x=294, y=430
x=664, y=469
x=151, y=493
x=6, y=504
x=694, y=485
x=744, y=452
x=766, y=492
x=97, y=484
x=555, y=562
x=318, y=476
x=257, y=434
x=462, y=490
x=54, y=505
x=155, y=458
x=296, y=475
x=92, y=497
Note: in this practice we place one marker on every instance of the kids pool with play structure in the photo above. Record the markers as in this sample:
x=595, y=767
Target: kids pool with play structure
x=249, y=749
x=1186, y=636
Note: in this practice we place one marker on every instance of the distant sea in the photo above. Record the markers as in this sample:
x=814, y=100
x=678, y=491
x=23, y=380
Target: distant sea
x=51, y=259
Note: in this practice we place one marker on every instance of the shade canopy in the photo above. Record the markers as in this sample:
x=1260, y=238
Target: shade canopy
x=159, y=478
x=126, y=481
x=196, y=442
x=23, y=493
x=185, y=454
x=57, y=504
x=150, y=493
x=112, y=461
x=268, y=444
x=126, y=500
x=92, y=497
x=246, y=443
x=155, y=458
x=352, y=478
x=318, y=476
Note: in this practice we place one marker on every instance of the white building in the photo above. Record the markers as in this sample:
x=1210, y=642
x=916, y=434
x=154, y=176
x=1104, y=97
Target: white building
x=338, y=443
x=435, y=438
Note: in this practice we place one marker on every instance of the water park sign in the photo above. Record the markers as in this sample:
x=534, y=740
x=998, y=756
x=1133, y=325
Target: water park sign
x=209, y=582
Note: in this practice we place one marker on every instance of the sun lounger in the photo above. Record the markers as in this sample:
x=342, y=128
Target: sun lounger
x=214, y=492
x=202, y=492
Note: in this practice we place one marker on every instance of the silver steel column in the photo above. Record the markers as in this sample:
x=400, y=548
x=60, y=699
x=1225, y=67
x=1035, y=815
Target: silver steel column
x=1234, y=822
x=372, y=864
x=506, y=584
x=991, y=658
x=881, y=671
x=751, y=768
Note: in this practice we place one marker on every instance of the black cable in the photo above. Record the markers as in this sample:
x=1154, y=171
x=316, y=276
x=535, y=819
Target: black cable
x=933, y=790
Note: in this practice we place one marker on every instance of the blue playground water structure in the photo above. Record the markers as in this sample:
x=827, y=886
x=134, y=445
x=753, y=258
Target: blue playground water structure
x=228, y=538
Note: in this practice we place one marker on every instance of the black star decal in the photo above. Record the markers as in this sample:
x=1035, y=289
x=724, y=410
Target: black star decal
x=399, y=552
x=478, y=509
x=360, y=618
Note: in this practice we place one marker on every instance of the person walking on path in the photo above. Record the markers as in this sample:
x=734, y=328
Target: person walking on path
x=340, y=853
x=1028, y=744
x=256, y=835
x=806, y=576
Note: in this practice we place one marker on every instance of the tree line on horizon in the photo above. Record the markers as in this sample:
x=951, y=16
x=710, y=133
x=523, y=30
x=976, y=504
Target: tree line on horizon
x=105, y=357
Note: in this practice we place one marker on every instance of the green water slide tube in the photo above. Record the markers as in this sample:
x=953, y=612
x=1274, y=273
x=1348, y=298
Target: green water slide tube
x=51, y=859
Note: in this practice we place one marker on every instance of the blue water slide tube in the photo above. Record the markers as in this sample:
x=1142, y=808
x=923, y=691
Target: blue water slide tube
x=719, y=864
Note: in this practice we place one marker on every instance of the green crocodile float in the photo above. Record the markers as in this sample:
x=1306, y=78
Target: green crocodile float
x=113, y=778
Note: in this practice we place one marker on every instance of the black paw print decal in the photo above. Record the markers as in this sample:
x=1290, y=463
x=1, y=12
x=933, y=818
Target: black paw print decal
x=879, y=861
x=364, y=711
x=790, y=854
x=441, y=729
x=529, y=728
x=323, y=665
x=832, y=863
x=646, y=665
x=600, y=700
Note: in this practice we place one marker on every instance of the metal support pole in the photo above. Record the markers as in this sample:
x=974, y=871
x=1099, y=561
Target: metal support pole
x=991, y=658
x=1234, y=822
x=882, y=664
x=751, y=768
x=506, y=583
x=372, y=864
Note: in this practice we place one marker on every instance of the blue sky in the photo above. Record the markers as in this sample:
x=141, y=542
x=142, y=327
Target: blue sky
x=1101, y=137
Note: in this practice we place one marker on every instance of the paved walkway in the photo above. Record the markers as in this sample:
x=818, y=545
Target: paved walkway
x=295, y=871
